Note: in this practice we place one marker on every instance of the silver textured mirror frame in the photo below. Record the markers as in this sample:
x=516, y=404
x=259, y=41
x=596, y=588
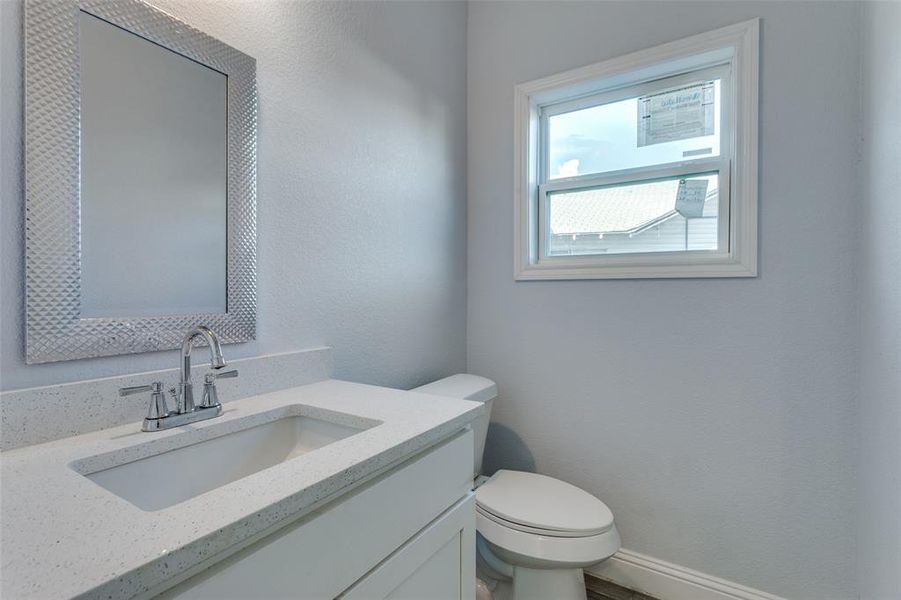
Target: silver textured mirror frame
x=55, y=330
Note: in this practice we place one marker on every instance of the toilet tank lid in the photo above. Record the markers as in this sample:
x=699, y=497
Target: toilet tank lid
x=463, y=386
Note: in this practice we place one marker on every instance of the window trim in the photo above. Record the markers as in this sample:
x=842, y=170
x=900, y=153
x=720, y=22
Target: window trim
x=736, y=46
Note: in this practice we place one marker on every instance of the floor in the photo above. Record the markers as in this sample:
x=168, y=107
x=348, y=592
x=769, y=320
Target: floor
x=599, y=589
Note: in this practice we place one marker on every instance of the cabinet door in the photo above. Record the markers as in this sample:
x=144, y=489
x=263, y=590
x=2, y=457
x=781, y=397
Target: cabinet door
x=437, y=564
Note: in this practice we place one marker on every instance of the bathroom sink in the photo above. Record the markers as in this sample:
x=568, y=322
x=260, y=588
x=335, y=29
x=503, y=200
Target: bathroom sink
x=165, y=479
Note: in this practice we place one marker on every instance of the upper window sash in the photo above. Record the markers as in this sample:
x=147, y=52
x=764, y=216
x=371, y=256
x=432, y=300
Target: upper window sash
x=720, y=72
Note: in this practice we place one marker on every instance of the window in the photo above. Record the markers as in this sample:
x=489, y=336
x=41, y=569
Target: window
x=642, y=166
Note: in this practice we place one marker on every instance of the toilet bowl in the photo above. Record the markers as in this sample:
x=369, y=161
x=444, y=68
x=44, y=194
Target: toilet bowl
x=535, y=533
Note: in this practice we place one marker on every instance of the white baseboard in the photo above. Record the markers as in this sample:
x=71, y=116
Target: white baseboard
x=667, y=581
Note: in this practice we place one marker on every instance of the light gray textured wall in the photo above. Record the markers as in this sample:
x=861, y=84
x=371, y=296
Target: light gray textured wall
x=880, y=267
x=715, y=417
x=361, y=187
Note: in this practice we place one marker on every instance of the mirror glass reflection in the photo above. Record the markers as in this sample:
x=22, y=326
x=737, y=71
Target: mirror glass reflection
x=153, y=178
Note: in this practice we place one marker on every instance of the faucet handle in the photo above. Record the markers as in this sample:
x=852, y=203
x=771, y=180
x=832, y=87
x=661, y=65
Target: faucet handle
x=154, y=387
x=210, y=395
x=212, y=376
x=158, y=408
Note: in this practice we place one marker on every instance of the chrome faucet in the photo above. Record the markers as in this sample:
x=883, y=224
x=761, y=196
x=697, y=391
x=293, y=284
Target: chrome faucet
x=184, y=398
x=158, y=416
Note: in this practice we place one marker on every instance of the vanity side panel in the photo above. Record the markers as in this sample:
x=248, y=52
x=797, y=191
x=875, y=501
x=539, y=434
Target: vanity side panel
x=326, y=552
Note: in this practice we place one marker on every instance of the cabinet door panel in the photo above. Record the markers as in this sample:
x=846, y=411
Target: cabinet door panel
x=438, y=577
x=437, y=564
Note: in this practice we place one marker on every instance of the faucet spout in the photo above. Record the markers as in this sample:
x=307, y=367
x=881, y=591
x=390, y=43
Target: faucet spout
x=185, y=399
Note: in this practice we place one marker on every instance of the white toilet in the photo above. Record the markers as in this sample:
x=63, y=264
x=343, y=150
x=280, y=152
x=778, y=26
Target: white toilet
x=535, y=533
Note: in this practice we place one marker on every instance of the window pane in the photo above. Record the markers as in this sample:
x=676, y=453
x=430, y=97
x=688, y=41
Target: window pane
x=662, y=127
x=658, y=216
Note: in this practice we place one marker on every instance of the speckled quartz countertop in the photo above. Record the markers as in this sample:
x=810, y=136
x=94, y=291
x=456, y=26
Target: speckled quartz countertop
x=64, y=536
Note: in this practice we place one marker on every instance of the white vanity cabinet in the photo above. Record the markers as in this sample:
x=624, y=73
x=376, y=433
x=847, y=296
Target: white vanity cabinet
x=408, y=532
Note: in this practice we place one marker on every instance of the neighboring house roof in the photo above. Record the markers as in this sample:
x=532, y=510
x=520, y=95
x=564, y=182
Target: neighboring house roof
x=624, y=209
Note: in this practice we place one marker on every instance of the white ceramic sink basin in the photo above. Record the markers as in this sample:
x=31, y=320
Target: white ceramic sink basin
x=165, y=479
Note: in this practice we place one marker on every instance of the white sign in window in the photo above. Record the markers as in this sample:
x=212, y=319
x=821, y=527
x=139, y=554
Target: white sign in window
x=680, y=114
x=690, y=197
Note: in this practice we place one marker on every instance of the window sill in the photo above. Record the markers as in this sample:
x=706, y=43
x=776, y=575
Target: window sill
x=697, y=269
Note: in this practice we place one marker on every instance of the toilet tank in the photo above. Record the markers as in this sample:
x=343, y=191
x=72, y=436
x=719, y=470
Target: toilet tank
x=468, y=387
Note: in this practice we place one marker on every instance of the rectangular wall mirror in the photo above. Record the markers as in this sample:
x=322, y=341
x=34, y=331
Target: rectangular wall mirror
x=153, y=164
x=140, y=181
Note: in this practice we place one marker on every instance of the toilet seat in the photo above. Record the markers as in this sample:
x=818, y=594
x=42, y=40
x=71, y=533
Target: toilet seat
x=533, y=530
x=541, y=505
x=536, y=521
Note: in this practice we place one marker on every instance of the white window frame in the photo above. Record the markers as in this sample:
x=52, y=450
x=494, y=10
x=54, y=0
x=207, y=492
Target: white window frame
x=730, y=54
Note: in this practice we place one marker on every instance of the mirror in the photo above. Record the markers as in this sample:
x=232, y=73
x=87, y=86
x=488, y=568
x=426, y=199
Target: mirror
x=153, y=178
x=140, y=185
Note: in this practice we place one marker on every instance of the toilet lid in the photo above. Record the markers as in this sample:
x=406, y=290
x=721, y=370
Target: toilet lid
x=544, y=503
